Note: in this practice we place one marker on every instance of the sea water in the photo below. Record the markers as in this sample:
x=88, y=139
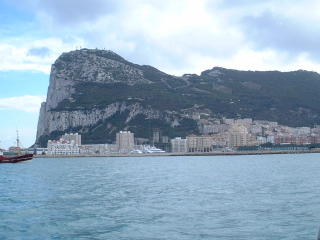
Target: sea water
x=262, y=197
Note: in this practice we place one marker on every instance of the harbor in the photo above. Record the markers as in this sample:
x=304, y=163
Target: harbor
x=182, y=154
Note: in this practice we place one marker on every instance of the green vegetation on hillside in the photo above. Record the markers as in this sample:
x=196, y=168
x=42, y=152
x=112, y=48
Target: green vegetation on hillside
x=290, y=98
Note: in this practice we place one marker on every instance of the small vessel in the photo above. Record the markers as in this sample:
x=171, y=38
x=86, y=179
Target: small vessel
x=136, y=151
x=15, y=159
x=153, y=149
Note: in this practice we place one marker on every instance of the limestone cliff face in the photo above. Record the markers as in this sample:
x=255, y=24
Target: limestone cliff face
x=50, y=121
x=93, y=67
x=97, y=93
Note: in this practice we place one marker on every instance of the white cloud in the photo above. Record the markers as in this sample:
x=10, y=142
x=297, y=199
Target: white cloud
x=23, y=103
x=176, y=36
x=15, y=53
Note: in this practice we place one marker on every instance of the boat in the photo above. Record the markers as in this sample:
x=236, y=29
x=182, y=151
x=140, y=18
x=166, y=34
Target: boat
x=136, y=151
x=15, y=159
x=153, y=149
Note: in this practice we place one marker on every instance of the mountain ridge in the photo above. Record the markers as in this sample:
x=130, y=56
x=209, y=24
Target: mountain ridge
x=97, y=92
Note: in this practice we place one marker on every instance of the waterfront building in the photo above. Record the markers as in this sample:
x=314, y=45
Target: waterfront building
x=63, y=147
x=238, y=136
x=125, y=141
x=179, y=145
x=295, y=140
x=202, y=143
x=220, y=139
x=315, y=139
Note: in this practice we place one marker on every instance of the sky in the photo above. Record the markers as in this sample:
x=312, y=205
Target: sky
x=175, y=36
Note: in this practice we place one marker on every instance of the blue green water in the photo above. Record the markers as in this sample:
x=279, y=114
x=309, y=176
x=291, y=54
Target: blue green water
x=226, y=197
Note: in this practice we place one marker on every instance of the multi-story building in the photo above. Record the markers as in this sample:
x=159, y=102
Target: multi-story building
x=238, y=136
x=202, y=143
x=220, y=139
x=62, y=147
x=125, y=141
x=98, y=149
x=295, y=140
x=179, y=145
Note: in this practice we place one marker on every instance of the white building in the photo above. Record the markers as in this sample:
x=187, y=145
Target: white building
x=98, y=149
x=125, y=141
x=62, y=147
x=179, y=145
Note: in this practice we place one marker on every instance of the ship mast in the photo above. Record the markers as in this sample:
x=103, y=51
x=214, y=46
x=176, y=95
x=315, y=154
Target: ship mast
x=18, y=140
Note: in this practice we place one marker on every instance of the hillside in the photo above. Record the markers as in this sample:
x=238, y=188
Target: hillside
x=98, y=93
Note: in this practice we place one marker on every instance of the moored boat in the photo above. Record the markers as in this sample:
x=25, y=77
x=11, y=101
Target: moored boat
x=17, y=154
x=15, y=159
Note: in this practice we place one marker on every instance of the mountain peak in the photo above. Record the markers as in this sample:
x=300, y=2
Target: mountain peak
x=97, y=92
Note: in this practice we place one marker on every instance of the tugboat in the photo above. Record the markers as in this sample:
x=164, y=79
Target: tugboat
x=17, y=157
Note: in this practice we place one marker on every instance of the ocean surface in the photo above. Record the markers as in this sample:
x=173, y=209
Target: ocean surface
x=262, y=197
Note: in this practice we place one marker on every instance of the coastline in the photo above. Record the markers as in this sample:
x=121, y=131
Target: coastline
x=184, y=154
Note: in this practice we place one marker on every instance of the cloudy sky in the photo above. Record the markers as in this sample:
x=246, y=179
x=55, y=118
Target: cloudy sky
x=176, y=36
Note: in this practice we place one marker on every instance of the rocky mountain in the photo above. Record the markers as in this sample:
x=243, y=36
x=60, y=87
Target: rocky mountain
x=97, y=93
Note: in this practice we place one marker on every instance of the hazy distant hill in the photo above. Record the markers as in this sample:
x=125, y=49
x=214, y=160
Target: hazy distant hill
x=98, y=93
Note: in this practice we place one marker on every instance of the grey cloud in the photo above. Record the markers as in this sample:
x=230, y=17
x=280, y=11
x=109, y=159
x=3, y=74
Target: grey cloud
x=283, y=34
x=73, y=12
x=39, y=52
x=147, y=49
x=250, y=3
x=237, y=3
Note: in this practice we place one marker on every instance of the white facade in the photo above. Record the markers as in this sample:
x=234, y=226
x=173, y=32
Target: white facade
x=98, y=149
x=179, y=145
x=61, y=147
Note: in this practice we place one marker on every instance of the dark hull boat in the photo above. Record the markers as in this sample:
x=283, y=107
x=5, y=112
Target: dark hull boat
x=16, y=159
